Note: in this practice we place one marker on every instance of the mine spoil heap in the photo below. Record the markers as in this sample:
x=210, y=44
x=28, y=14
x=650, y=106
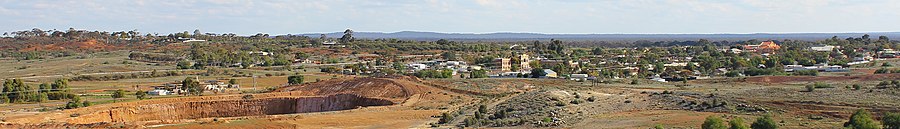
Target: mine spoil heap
x=330, y=95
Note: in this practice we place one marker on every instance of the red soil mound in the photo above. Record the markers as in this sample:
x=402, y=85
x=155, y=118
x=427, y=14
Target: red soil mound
x=394, y=89
x=91, y=44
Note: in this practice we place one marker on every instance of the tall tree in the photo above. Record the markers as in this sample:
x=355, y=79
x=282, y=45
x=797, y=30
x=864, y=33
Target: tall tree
x=348, y=36
x=295, y=79
x=192, y=86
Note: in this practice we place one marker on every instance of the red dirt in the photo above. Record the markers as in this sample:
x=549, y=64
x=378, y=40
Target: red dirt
x=786, y=79
x=330, y=95
x=91, y=44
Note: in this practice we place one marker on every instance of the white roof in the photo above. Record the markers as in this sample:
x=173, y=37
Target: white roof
x=548, y=71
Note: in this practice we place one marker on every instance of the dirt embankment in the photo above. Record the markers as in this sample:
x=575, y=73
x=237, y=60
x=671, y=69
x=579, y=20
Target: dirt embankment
x=332, y=95
x=167, y=112
x=788, y=79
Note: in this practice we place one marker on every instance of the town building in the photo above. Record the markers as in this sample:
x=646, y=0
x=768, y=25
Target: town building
x=524, y=61
x=766, y=47
x=823, y=48
x=550, y=74
x=502, y=64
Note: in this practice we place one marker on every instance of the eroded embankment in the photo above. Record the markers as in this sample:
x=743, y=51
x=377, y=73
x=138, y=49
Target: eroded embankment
x=209, y=108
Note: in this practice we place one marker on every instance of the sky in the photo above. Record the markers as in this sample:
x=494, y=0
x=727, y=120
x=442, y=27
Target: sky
x=246, y=17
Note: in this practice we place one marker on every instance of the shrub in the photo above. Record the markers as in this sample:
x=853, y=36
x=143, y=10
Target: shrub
x=634, y=82
x=295, y=79
x=658, y=126
x=857, y=87
x=862, y=119
x=482, y=108
x=757, y=72
x=810, y=88
x=560, y=103
x=59, y=95
x=470, y=122
x=822, y=85
x=732, y=74
x=764, y=122
x=445, y=118
x=882, y=71
x=738, y=123
x=118, y=94
x=140, y=94
x=577, y=101
x=714, y=122
x=891, y=121
x=86, y=103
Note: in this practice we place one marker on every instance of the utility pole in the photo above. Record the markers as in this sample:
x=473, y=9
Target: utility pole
x=254, y=82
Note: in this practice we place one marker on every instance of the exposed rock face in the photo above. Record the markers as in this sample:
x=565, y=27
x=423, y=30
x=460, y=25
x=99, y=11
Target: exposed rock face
x=227, y=108
x=332, y=95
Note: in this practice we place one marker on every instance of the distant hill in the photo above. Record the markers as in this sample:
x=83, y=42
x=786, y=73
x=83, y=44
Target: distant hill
x=429, y=36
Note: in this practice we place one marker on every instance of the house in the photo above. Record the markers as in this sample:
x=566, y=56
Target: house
x=187, y=40
x=888, y=53
x=835, y=69
x=261, y=53
x=329, y=43
x=417, y=66
x=550, y=74
x=767, y=46
x=502, y=64
x=159, y=92
x=791, y=68
x=823, y=48
x=579, y=77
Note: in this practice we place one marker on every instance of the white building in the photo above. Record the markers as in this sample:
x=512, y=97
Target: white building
x=417, y=66
x=579, y=77
x=159, y=92
x=823, y=48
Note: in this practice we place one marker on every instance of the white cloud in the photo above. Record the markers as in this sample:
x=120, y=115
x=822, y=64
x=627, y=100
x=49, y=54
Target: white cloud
x=548, y=16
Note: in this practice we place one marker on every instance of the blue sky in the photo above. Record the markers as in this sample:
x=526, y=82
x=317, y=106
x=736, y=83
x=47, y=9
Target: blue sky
x=459, y=16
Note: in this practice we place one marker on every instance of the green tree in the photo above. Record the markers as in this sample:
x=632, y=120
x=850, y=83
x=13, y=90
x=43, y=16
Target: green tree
x=73, y=103
x=60, y=85
x=192, y=86
x=118, y=94
x=891, y=120
x=348, y=36
x=232, y=81
x=45, y=87
x=738, y=123
x=86, y=103
x=714, y=122
x=765, y=122
x=17, y=91
x=445, y=118
x=862, y=119
x=449, y=55
x=140, y=95
x=295, y=79
x=537, y=73
x=478, y=74
x=184, y=65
